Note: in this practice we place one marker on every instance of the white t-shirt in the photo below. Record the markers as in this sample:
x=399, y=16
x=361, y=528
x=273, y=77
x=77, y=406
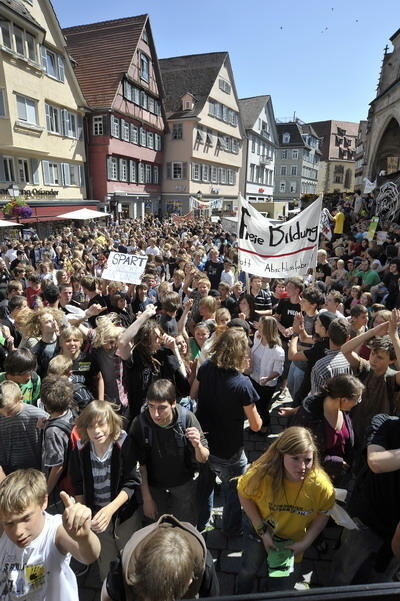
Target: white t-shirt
x=228, y=277
x=266, y=361
x=39, y=572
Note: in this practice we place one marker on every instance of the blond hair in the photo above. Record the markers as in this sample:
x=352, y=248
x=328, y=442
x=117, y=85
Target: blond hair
x=293, y=441
x=59, y=366
x=70, y=332
x=10, y=393
x=106, y=329
x=99, y=412
x=32, y=328
x=21, y=489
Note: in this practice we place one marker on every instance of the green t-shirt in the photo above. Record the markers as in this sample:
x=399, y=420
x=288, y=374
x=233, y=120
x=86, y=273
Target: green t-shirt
x=30, y=390
x=369, y=278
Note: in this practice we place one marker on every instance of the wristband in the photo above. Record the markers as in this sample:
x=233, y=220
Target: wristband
x=261, y=530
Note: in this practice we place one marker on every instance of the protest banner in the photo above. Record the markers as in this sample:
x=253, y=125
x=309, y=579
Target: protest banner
x=373, y=224
x=326, y=224
x=278, y=250
x=125, y=268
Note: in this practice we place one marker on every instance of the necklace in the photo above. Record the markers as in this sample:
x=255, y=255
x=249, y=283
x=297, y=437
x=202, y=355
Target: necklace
x=297, y=496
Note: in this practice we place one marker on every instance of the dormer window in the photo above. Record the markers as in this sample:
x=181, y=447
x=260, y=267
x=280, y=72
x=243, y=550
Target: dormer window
x=144, y=67
x=286, y=138
x=187, y=102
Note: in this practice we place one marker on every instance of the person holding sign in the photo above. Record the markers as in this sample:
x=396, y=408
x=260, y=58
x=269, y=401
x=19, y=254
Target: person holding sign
x=36, y=547
x=286, y=496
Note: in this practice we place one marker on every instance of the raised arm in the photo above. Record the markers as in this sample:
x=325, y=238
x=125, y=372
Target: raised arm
x=394, y=323
x=349, y=347
x=125, y=340
x=187, y=306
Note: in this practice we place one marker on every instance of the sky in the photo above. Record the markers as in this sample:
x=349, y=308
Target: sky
x=318, y=59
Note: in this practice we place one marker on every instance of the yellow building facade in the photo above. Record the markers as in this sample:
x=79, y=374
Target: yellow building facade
x=42, y=149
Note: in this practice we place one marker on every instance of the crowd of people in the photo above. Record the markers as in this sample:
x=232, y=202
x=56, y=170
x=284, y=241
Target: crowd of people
x=123, y=406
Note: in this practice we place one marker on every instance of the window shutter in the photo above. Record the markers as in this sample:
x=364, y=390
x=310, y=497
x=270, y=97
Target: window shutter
x=35, y=171
x=169, y=170
x=82, y=178
x=109, y=168
x=64, y=122
x=79, y=133
x=61, y=71
x=66, y=174
x=46, y=173
x=48, y=118
x=21, y=107
x=106, y=125
x=43, y=52
x=184, y=171
x=2, y=170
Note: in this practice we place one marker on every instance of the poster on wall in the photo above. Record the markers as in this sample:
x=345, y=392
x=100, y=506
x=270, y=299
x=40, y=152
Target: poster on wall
x=281, y=249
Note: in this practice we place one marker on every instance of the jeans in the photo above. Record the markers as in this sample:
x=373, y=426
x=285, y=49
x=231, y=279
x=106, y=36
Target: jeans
x=225, y=469
x=356, y=548
x=254, y=556
x=295, y=379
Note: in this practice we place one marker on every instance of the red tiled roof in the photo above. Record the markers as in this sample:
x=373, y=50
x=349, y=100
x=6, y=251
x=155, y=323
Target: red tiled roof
x=103, y=52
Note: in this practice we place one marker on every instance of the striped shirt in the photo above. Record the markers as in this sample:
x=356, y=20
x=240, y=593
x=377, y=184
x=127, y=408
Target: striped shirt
x=333, y=364
x=101, y=470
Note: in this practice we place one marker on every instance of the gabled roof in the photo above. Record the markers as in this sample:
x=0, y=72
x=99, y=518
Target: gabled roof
x=103, y=52
x=250, y=109
x=20, y=9
x=196, y=74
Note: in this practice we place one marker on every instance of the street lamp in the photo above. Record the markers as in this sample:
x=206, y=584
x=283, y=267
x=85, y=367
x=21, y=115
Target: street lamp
x=199, y=197
x=14, y=191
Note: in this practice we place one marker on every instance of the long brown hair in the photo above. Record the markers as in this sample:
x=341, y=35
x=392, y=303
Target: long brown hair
x=269, y=331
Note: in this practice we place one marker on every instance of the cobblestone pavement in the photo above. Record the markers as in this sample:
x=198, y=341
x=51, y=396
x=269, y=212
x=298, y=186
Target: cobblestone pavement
x=227, y=552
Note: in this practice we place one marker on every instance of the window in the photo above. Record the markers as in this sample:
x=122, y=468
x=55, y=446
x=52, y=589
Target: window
x=253, y=144
x=222, y=175
x=283, y=154
x=157, y=142
x=283, y=170
x=235, y=146
x=6, y=169
x=51, y=173
x=293, y=170
x=112, y=168
x=148, y=174
x=224, y=86
x=134, y=134
x=53, y=64
x=2, y=104
x=5, y=34
x=214, y=175
x=125, y=130
x=293, y=186
x=132, y=171
x=135, y=95
x=123, y=170
x=71, y=174
x=144, y=67
x=150, y=104
x=145, y=36
x=286, y=138
x=150, y=139
x=26, y=109
x=231, y=177
x=295, y=154
x=176, y=170
x=98, y=126
x=282, y=187
x=156, y=174
x=115, y=129
x=252, y=170
x=69, y=124
x=143, y=99
x=225, y=113
x=205, y=173
x=143, y=137
x=177, y=131
x=257, y=173
x=127, y=90
x=196, y=172
x=53, y=119
x=19, y=40
x=141, y=173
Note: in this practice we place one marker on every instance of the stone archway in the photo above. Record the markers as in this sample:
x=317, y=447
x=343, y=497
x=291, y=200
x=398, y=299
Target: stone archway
x=387, y=154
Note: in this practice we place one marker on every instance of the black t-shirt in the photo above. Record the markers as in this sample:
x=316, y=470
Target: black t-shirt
x=222, y=395
x=323, y=270
x=44, y=352
x=232, y=305
x=96, y=300
x=105, y=363
x=213, y=271
x=375, y=498
x=286, y=311
x=313, y=354
x=169, y=324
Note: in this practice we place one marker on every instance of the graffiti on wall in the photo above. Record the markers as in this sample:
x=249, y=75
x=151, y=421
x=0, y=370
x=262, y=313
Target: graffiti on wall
x=388, y=201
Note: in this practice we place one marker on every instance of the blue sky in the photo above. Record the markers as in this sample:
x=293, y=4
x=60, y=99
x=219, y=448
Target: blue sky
x=318, y=58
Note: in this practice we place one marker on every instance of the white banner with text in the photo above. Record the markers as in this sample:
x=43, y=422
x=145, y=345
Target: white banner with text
x=124, y=268
x=277, y=250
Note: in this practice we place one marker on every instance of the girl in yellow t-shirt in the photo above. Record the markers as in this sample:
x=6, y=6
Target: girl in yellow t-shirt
x=285, y=494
